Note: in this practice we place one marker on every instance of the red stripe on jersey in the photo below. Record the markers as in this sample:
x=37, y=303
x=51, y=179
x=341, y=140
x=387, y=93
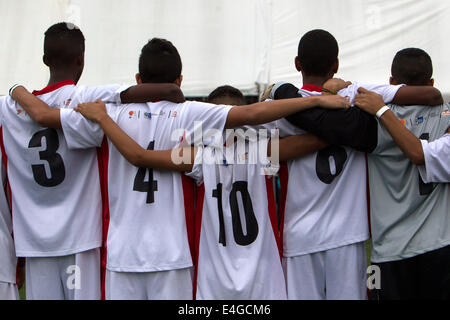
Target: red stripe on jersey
x=312, y=88
x=189, y=208
x=273, y=214
x=54, y=87
x=103, y=160
x=198, y=230
x=5, y=162
x=284, y=181
x=368, y=194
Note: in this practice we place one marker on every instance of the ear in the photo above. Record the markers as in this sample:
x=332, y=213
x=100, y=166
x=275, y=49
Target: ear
x=45, y=60
x=431, y=82
x=80, y=60
x=298, y=66
x=335, y=67
x=179, y=81
x=392, y=81
x=138, y=78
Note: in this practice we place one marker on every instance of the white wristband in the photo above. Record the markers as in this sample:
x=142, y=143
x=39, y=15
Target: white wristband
x=382, y=111
x=13, y=88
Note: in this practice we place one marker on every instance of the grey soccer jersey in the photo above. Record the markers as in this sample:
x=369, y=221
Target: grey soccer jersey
x=408, y=216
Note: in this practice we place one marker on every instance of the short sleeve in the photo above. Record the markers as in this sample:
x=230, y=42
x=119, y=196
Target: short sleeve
x=2, y=109
x=203, y=117
x=387, y=92
x=197, y=169
x=437, y=165
x=106, y=93
x=79, y=132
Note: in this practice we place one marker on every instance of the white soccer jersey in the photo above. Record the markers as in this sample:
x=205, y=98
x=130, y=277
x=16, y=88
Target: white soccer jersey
x=56, y=200
x=325, y=206
x=146, y=226
x=437, y=160
x=8, y=258
x=237, y=239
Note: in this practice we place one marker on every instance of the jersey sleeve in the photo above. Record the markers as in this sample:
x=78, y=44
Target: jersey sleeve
x=2, y=108
x=202, y=117
x=387, y=92
x=437, y=165
x=79, y=132
x=106, y=93
x=197, y=169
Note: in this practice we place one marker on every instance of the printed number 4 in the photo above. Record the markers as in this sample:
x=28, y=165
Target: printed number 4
x=140, y=185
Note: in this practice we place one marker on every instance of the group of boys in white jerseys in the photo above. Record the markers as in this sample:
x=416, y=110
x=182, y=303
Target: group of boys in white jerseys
x=94, y=187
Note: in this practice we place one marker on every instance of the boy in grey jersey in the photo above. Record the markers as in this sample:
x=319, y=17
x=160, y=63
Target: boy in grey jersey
x=410, y=219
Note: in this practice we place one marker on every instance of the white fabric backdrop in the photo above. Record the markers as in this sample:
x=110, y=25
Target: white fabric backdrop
x=244, y=43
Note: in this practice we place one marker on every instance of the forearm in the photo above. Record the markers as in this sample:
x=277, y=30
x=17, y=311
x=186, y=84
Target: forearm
x=418, y=95
x=406, y=141
x=298, y=146
x=151, y=92
x=265, y=112
x=352, y=127
x=135, y=154
x=38, y=110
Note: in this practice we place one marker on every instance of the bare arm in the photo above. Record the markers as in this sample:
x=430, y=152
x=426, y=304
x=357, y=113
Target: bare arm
x=152, y=92
x=265, y=112
x=298, y=146
x=38, y=110
x=131, y=150
x=406, y=141
x=418, y=95
x=49, y=117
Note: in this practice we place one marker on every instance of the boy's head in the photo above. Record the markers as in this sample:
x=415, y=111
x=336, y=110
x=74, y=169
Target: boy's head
x=64, y=47
x=412, y=67
x=227, y=95
x=318, y=54
x=160, y=62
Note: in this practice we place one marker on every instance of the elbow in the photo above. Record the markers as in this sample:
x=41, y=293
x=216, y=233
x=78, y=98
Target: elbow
x=436, y=98
x=175, y=91
x=418, y=158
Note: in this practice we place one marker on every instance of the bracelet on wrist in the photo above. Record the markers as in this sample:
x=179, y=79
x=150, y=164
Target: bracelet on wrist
x=13, y=88
x=382, y=111
x=329, y=91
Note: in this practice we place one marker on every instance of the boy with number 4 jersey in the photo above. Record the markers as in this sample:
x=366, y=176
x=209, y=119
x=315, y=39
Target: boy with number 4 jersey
x=238, y=252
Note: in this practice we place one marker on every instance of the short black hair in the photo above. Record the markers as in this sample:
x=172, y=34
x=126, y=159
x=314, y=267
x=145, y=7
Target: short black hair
x=63, y=44
x=227, y=95
x=318, y=50
x=412, y=66
x=159, y=62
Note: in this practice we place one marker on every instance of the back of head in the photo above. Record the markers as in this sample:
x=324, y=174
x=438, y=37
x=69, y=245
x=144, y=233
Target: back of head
x=318, y=52
x=64, y=43
x=159, y=62
x=227, y=95
x=412, y=67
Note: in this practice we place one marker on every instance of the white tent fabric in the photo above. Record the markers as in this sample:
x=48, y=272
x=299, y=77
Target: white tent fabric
x=247, y=44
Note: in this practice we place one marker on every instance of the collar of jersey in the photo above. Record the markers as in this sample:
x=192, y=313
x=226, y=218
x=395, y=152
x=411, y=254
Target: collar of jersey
x=54, y=87
x=312, y=88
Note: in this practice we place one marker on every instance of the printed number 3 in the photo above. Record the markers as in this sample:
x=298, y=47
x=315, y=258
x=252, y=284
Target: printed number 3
x=56, y=164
